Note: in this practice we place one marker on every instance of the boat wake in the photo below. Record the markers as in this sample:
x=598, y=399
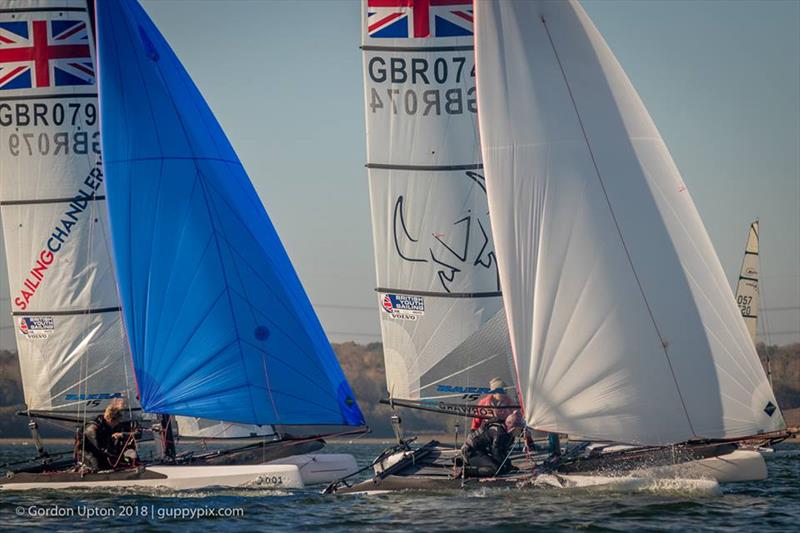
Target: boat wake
x=253, y=491
x=642, y=484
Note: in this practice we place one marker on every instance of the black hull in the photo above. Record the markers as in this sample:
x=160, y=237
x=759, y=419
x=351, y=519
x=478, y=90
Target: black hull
x=428, y=468
x=431, y=483
x=70, y=477
x=431, y=468
x=627, y=460
x=256, y=453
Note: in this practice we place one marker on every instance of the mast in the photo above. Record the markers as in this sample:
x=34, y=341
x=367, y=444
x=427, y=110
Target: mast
x=70, y=340
x=622, y=322
x=438, y=294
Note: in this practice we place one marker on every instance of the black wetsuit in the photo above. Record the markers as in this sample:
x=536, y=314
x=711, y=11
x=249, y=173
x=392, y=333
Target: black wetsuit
x=486, y=449
x=96, y=447
x=97, y=450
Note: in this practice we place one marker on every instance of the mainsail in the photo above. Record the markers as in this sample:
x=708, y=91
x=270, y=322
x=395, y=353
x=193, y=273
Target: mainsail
x=622, y=323
x=747, y=286
x=442, y=322
x=219, y=324
x=70, y=339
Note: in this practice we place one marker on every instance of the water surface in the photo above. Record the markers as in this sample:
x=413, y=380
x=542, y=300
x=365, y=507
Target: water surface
x=663, y=504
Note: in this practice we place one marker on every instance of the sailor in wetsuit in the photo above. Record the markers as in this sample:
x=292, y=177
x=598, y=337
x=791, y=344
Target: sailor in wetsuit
x=105, y=441
x=485, y=452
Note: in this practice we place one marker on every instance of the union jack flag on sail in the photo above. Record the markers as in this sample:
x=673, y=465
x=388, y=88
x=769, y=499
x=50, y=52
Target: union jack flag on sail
x=44, y=53
x=396, y=19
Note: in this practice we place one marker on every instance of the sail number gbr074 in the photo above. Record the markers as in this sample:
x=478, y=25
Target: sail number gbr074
x=426, y=86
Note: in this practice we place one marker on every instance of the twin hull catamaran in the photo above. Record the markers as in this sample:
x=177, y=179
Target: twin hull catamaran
x=199, y=314
x=617, y=324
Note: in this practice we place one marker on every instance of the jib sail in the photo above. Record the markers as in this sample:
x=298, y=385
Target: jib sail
x=623, y=325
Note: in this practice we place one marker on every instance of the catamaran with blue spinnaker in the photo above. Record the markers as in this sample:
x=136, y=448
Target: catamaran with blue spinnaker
x=153, y=275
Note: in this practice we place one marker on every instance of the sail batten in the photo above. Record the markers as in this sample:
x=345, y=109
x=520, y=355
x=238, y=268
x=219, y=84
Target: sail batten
x=621, y=322
x=196, y=250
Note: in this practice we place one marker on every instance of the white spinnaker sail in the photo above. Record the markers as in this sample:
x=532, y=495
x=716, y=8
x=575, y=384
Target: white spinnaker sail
x=72, y=347
x=622, y=323
x=747, y=286
x=201, y=428
x=444, y=333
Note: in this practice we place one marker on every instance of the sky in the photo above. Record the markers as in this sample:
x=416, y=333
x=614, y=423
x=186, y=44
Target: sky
x=721, y=80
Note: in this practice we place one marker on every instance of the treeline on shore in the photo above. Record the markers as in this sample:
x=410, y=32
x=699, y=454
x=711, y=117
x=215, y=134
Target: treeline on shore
x=363, y=366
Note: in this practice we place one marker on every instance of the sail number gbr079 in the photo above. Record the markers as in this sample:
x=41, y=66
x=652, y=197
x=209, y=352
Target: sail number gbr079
x=426, y=86
x=31, y=128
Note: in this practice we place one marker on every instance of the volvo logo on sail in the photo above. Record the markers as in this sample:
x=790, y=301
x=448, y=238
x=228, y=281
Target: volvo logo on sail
x=404, y=307
x=36, y=327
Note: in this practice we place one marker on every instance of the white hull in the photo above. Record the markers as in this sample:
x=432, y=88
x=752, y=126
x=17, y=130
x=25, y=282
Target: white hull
x=293, y=472
x=320, y=468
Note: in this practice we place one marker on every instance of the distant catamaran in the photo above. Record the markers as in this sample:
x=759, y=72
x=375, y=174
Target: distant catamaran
x=747, y=286
x=216, y=322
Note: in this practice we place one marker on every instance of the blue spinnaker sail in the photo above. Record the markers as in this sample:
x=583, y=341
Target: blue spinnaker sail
x=219, y=324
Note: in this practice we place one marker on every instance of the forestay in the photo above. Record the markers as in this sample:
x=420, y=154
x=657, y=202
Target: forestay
x=747, y=287
x=622, y=323
x=443, y=328
x=70, y=339
x=219, y=324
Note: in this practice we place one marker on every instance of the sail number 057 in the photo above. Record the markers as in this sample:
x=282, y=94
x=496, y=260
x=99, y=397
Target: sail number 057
x=744, y=303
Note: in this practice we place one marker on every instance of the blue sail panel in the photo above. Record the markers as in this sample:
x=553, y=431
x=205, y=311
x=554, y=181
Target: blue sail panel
x=218, y=321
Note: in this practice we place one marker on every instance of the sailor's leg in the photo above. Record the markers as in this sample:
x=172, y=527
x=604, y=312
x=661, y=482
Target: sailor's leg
x=481, y=465
x=89, y=461
x=553, y=445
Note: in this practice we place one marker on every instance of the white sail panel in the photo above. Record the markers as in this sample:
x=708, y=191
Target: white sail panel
x=444, y=334
x=71, y=343
x=622, y=324
x=747, y=287
x=201, y=428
